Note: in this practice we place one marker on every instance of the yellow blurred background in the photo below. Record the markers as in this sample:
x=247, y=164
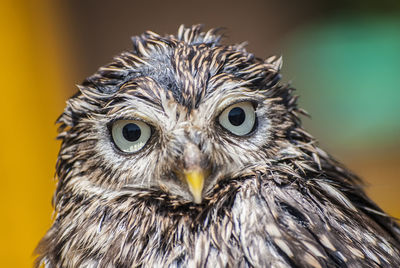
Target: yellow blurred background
x=49, y=46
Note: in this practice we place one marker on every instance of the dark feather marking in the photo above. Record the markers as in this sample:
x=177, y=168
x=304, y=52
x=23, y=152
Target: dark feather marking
x=295, y=213
x=288, y=260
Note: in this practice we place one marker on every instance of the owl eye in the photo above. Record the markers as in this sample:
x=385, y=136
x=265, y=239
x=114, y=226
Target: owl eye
x=130, y=135
x=238, y=118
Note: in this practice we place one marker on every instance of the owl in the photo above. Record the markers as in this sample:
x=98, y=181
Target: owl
x=186, y=152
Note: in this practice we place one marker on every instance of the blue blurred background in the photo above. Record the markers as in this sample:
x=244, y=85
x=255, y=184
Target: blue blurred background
x=342, y=56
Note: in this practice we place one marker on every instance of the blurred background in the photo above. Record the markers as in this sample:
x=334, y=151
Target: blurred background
x=342, y=56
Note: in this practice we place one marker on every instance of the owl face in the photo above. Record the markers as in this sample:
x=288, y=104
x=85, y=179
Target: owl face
x=177, y=117
x=180, y=151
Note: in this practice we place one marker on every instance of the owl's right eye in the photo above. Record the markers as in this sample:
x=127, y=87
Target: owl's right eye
x=130, y=135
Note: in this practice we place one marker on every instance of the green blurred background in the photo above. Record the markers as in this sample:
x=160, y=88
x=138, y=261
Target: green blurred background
x=342, y=56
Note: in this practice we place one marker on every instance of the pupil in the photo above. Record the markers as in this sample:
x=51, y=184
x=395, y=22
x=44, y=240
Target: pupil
x=131, y=132
x=236, y=116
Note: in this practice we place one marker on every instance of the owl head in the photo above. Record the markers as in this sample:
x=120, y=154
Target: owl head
x=175, y=116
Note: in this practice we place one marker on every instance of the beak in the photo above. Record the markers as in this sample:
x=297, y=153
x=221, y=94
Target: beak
x=195, y=171
x=195, y=180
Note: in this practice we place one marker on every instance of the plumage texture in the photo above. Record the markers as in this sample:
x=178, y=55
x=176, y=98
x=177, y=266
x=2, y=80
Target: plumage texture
x=273, y=197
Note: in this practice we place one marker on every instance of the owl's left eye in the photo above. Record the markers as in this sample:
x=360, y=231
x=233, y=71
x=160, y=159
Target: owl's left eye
x=130, y=135
x=239, y=118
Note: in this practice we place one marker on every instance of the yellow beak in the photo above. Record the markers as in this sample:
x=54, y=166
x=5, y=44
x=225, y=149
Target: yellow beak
x=195, y=181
